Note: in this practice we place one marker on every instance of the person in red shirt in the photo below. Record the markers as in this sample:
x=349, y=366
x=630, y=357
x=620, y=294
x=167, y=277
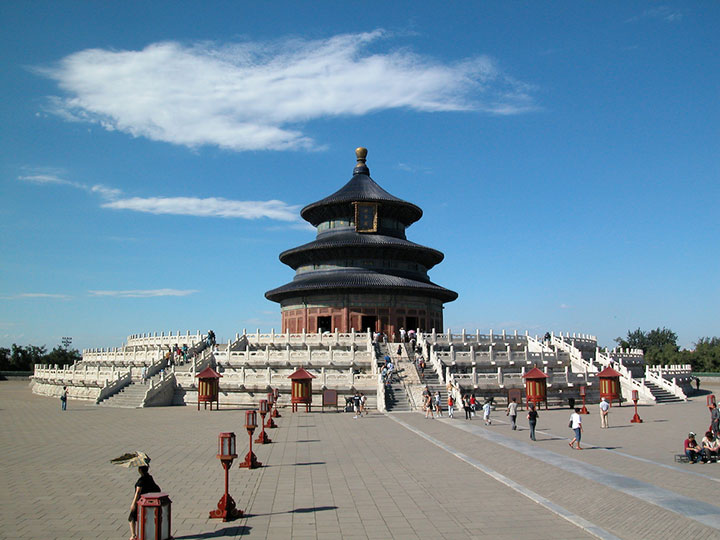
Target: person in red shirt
x=692, y=451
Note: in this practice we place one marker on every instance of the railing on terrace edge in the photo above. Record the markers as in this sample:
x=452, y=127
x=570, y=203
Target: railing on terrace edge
x=576, y=358
x=673, y=369
x=536, y=345
x=498, y=357
x=155, y=388
x=268, y=377
x=152, y=338
x=77, y=377
x=305, y=337
x=465, y=337
x=381, y=405
x=113, y=387
x=669, y=385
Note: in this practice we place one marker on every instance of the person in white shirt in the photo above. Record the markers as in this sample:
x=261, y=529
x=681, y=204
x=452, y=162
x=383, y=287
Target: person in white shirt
x=604, y=413
x=576, y=426
x=512, y=412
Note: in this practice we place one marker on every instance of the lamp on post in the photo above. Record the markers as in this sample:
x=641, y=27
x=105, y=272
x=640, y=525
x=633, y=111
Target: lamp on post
x=154, y=517
x=226, y=509
x=271, y=401
x=635, y=419
x=583, y=393
x=251, y=461
x=263, y=438
x=276, y=395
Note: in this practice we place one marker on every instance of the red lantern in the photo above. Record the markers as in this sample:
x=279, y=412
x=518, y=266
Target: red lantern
x=251, y=461
x=610, y=385
x=154, y=517
x=635, y=419
x=301, y=389
x=263, y=438
x=536, y=386
x=226, y=509
x=208, y=388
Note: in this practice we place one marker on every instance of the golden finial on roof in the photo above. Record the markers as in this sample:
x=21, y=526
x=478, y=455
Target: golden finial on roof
x=361, y=154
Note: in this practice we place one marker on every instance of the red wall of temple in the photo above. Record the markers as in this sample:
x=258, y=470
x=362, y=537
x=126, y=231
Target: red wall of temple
x=388, y=320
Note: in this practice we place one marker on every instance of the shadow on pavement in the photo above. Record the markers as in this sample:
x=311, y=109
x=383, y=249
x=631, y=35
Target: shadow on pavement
x=227, y=532
x=309, y=510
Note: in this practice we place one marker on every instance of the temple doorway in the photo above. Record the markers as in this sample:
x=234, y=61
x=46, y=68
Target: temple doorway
x=411, y=323
x=323, y=324
x=368, y=321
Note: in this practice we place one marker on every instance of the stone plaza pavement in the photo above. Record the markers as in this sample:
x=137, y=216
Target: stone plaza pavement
x=382, y=476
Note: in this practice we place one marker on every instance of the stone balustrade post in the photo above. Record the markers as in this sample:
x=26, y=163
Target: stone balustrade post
x=350, y=376
x=268, y=375
x=503, y=334
x=464, y=336
x=491, y=335
x=323, y=376
x=434, y=336
x=474, y=376
x=492, y=353
x=525, y=353
x=500, y=380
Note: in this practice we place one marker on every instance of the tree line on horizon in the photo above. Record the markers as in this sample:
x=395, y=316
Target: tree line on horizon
x=660, y=348
x=24, y=358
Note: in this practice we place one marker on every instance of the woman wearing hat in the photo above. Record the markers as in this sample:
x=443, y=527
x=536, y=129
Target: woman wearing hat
x=691, y=448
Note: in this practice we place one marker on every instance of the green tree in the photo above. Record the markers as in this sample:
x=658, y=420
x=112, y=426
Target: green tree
x=25, y=358
x=62, y=356
x=4, y=359
x=706, y=356
x=659, y=345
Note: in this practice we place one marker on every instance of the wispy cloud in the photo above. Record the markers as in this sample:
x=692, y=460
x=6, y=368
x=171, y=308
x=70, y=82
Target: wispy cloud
x=57, y=178
x=36, y=295
x=254, y=95
x=181, y=206
x=209, y=207
x=665, y=13
x=564, y=306
x=147, y=293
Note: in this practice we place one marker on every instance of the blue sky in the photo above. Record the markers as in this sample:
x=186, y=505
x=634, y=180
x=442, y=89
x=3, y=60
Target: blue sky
x=156, y=155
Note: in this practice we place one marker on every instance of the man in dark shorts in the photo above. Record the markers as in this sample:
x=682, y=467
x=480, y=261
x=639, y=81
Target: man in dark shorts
x=145, y=484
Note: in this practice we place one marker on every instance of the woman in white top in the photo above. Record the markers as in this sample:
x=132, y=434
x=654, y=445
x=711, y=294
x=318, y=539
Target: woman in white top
x=576, y=426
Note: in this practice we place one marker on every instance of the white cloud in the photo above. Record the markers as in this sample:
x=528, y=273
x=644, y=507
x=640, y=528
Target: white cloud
x=182, y=206
x=36, y=295
x=253, y=95
x=209, y=207
x=665, y=13
x=148, y=293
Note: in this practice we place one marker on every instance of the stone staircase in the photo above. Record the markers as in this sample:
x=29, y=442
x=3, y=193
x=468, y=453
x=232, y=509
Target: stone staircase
x=661, y=395
x=130, y=397
x=432, y=381
x=396, y=400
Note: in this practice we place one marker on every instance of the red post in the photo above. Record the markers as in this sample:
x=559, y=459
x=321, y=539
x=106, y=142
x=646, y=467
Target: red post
x=583, y=393
x=251, y=461
x=276, y=395
x=226, y=509
x=263, y=438
x=635, y=419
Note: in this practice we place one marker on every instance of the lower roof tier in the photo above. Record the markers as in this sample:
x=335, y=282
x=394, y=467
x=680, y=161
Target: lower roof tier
x=358, y=281
x=337, y=245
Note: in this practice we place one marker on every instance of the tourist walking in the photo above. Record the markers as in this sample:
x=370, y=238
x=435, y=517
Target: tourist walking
x=473, y=405
x=438, y=403
x=532, y=417
x=63, y=398
x=145, y=484
x=715, y=419
x=356, y=404
x=451, y=404
x=576, y=425
x=604, y=413
x=512, y=413
x=363, y=401
x=487, y=407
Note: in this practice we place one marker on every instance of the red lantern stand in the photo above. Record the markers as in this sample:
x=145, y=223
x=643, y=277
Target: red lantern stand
x=154, y=517
x=535, y=387
x=276, y=395
x=610, y=385
x=301, y=382
x=635, y=419
x=583, y=394
x=251, y=461
x=271, y=401
x=226, y=509
x=263, y=438
x=209, y=388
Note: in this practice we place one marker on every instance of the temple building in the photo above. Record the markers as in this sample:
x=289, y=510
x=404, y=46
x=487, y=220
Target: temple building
x=361, y=272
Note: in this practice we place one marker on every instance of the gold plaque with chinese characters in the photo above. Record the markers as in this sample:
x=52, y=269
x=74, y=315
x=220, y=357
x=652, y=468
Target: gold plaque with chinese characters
x=366, y=217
